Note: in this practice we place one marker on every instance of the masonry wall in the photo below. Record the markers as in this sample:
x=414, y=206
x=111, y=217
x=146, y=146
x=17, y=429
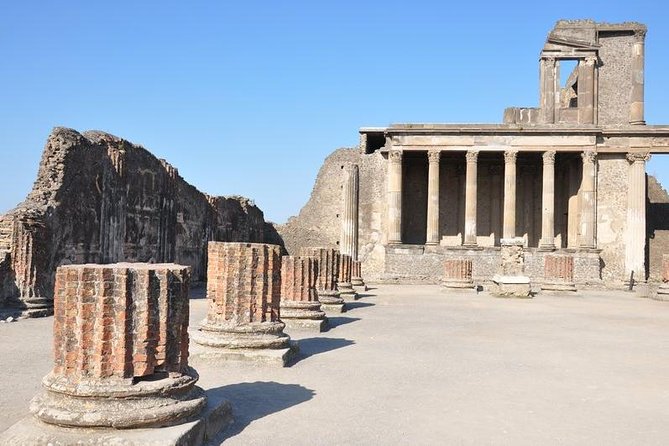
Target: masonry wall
x=102, y=199
x=658, y=227
x=615, y=77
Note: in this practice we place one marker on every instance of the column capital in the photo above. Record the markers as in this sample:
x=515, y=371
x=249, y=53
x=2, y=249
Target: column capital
x=590, y=60
x=510, y=156
x=395, y=156
x=433, y=155
x=549, y=59
x=472, y=156
x=589, y=156
x=638, y=157
x=549, y=157
x=639, y=35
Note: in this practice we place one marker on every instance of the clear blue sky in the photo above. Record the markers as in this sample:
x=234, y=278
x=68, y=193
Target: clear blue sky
x=249, y=97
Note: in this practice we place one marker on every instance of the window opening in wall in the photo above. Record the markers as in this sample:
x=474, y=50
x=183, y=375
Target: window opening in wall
x=568, y=70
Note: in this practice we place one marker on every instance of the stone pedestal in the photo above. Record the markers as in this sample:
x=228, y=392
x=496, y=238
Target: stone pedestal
x=558, y=274
x=326, y=283
x=356, y=276
x=344, y=285
x=663, y=290
x=243, y=322
x=458, y=275
x=120, y=362
x=300, y=308
x=511, y=280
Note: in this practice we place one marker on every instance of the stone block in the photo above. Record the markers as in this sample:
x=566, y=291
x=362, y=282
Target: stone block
x=511, y=286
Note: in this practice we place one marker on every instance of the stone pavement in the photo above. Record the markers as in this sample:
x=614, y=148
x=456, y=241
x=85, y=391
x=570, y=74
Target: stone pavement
x=411, y=365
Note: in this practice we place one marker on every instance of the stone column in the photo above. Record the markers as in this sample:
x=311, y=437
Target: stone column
x=433, y=157
x=637, y=94
x=509, y=230
x=242, y=323
x=586, y=90
x=558, y=273
x=458, y=275
x=300, y=308
x=326, y=283
x=349, y=225
x=120, y=349
x=588, y=200
x=635, y=243
x=344, y=285
x=548, y=89
x=394, y=197
x=356, y=276
x=470, y=197
x=548, y=203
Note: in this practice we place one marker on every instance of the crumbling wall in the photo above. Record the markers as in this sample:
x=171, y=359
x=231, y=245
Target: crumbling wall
x=319, y=221
x=101, y=199
x=658, y=227
x=615, y=77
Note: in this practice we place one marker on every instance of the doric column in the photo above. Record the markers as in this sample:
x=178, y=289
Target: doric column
x=637, y=99
x=509, y=230
x=588, y=197
x=349, y=224
x=470, y=197
x=433, y=197
x=586, y=90
x=548, y=89
x=394, y=196
x=548, y=202
x=635, y=243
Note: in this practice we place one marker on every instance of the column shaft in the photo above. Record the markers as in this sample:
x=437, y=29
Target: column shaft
x=588, y=201
x=637, y=99
x=470, y=198
x=348, y=243
x=635, y=243
x=509, y=230
x=548, y=202
x=586, y=90
x=394, y=196
x=548, y=89
x=433, y=197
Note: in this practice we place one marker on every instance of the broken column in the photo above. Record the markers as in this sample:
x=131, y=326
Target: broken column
x=242, y=322
x=637, y=94
x=326, y=285
x=120, y=348
x=457, y=275
x=663, y=290
x=300, y=308
x=344, y=285
x=349, y=222
x=511, y=280
x=356, y=276
x=558, y=273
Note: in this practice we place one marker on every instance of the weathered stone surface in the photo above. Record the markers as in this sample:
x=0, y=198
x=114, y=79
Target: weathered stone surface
x=243, y=290
x=344, y=285
x=663, y=289
x=100, y=199
x=511, y=281
x=558, y=273
x=458, y=275
x=300, y=307
x=356, y=275
x=328, y=274
x=120, y=348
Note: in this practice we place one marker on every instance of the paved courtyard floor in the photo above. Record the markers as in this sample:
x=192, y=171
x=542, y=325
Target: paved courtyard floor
x=411, y=365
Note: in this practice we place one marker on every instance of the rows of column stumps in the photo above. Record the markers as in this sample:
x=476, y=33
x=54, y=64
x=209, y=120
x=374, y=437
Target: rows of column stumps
x=588, y=196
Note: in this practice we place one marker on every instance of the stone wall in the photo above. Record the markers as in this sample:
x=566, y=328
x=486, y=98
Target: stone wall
x=658, y=227
x=101, y=199
x=615, y=77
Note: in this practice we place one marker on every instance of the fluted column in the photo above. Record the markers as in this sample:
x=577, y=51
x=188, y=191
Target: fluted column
x=548, y=202
x=637, y=99
x=548, y=89
x=349, y=225
x=509, y=230
x=433, y=157
x=586, y=90
x=470, y=197
x=635, y=243
x=394, y=196
x=588, y=198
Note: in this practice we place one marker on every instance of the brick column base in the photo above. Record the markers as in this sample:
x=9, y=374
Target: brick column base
x=558, y=273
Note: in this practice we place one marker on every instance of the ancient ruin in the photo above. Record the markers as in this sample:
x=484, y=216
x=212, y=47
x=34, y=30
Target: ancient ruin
x=356, y=276
x=120, y=339
x=300, y=308
x=558, y=274
x=243, y=291
x=458, y=275
x=510, y=280
x=344, y=284
x=328, y=272
x=100, y=199
x=567, y=177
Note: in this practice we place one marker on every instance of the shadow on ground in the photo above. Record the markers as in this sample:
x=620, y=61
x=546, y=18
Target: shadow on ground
x=313, y=346
x=336, y=321
x=354, y=305
x=252, y=401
